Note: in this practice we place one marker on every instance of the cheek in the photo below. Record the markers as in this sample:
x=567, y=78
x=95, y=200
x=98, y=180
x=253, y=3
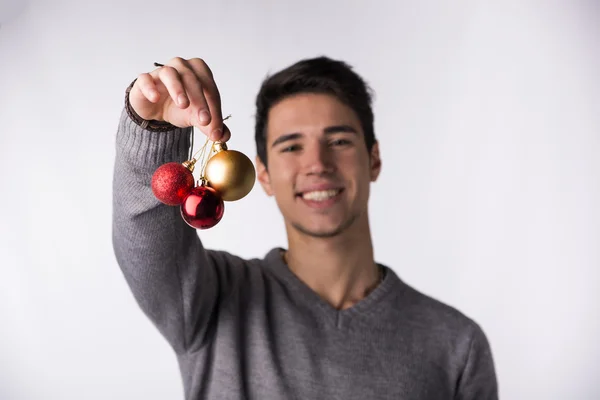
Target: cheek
x=281, y=176
x=352, y=164
x=357, y=170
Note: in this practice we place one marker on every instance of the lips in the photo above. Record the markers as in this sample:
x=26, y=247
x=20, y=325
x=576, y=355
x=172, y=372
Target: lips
x=320, y=195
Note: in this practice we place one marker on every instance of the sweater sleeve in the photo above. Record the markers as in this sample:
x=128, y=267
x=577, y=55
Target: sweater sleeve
x=478, y=379
x=172, y=277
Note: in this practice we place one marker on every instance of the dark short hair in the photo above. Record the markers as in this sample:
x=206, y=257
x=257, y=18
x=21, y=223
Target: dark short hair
x=314, y=75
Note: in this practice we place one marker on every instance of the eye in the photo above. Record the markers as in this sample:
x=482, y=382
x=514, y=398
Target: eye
x=291, y=148
x=340, y=142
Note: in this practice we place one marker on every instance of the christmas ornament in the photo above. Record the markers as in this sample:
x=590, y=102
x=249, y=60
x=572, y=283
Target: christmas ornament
x=172, y=182
x=203, y=208
x=225, y=175
x=230, y=172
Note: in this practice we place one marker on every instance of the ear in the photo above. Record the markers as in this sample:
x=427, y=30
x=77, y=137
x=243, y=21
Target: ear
x=262, y=175
x=375, y=161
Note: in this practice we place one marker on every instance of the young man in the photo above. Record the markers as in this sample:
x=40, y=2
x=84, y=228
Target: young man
x=320, y=320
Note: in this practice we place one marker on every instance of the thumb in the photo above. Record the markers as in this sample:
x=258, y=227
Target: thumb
x=226, y=134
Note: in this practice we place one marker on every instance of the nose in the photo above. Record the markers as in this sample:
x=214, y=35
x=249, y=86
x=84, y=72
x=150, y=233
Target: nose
x=318, y=160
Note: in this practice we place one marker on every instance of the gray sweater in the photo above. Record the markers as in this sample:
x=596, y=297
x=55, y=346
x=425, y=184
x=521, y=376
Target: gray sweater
x=250, y=329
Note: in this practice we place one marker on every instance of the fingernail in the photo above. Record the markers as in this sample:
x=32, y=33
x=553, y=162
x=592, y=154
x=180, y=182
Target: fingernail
x=216, y=134
x=181, y=99
x=204, y=117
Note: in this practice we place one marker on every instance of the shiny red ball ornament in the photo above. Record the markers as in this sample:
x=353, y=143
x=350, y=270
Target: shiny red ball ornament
x=203, y=208
x=171, y=183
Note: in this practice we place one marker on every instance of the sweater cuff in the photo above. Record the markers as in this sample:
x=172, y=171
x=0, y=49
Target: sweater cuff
x=148, y=149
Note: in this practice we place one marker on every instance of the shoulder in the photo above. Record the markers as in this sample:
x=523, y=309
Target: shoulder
x=455, y=342
x=444, y=330
x=434, y=317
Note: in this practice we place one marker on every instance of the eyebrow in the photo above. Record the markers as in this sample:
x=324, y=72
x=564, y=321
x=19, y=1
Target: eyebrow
x=340, y=129
x=328, y=131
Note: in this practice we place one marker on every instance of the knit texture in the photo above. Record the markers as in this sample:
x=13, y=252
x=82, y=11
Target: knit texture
x=250, y=329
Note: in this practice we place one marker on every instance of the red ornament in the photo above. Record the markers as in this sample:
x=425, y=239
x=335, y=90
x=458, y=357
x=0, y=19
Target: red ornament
x=203, y=208
x=171, y=183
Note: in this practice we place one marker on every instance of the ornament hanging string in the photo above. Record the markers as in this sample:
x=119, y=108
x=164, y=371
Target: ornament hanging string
x=203, y=155
x=191, y=156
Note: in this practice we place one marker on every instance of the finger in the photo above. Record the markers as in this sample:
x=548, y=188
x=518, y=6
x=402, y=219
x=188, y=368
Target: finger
x=212, y=96
x=194, y=89
x=226, y=134
x=216, y=127
x=147, y=87
x=170, y=78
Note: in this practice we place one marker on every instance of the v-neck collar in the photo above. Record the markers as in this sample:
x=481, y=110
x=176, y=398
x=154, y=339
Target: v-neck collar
x=338, y=318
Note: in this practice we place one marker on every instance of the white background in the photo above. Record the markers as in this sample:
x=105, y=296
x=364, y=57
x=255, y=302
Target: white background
x=488, y=114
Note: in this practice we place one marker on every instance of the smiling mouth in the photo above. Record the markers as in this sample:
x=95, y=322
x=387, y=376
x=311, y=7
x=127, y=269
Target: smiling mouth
x=320, y=195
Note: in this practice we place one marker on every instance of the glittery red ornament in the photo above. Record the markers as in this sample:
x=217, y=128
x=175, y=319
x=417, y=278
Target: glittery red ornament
x=171, y=183
x=203, y=208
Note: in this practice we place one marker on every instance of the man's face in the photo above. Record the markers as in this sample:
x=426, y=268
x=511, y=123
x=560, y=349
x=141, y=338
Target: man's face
x=319, y=169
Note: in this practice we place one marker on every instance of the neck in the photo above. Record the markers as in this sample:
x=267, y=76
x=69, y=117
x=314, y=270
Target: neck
x=340, y=269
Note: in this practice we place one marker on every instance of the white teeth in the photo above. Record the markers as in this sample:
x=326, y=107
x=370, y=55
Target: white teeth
x=320, y=195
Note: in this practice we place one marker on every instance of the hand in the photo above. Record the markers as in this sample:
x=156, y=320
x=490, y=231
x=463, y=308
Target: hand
x=182, y=93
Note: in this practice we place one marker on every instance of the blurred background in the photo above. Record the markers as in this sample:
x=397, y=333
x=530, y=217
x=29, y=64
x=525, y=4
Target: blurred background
x=488, y=114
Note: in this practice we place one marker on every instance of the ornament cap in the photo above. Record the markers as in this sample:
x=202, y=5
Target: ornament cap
x=219, y=146
x=202, y=182
x=190, y=164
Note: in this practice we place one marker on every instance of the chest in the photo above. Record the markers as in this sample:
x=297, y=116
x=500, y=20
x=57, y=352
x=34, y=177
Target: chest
x=297, y=355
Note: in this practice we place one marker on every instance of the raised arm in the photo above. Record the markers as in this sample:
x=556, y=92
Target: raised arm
x=172, y=277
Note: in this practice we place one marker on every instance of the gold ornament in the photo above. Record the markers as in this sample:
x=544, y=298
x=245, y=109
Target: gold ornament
x=230, y=173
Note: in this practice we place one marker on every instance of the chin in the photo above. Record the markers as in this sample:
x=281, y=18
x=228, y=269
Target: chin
x=325, y=232
x=321, y=233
